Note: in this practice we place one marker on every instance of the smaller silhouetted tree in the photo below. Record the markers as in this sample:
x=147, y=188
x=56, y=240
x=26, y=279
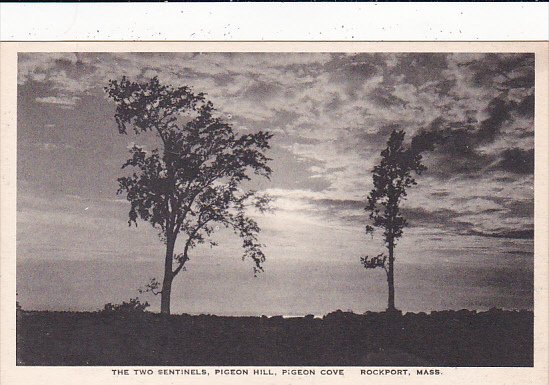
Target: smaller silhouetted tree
x=391, y=177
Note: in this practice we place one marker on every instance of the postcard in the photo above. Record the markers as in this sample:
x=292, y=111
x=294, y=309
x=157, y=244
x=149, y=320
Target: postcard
x=274, y=213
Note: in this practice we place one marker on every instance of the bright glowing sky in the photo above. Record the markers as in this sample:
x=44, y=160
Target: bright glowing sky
x=469, y=244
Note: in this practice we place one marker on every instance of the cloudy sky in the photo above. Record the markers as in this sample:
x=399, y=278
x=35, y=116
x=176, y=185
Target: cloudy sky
x=470, y=240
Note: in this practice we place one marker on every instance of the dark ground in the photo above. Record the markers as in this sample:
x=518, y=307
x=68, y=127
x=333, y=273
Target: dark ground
x=448, y=338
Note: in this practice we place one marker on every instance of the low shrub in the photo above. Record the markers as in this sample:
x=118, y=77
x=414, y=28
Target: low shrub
x=134, y=306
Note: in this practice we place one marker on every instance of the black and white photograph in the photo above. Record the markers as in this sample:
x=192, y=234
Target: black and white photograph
x=275, y=209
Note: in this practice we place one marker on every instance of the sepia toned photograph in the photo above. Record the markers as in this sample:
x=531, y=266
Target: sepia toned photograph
x=356, y=209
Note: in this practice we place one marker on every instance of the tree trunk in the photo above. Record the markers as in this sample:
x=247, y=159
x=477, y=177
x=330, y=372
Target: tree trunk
x=165, y=295
x=168, y=278
x=391, y=280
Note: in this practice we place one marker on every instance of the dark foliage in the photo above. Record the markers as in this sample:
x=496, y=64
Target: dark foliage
x=134, y=306
x=391, y=177
x=517, y=160
x=446, y=338
x=192, y=182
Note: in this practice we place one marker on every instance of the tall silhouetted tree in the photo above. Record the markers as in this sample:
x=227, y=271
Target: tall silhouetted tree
x=192, y=180
x=391, y=177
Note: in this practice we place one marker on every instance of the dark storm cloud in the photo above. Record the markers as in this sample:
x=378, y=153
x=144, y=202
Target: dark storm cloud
x=499, y=112
x=449, y=150
x=524, y=209
x=456, y=150
x=449, y=219
x=526, y=106
x=419, y=68
x=437, y=219
x=261, y=91
x=456, y=143
x=354, y=70
x=456, y=146
x=383, y=97
x=376, y=141
x=512, y=234
x=75, y=67
x=507, y=70
x=517, y=160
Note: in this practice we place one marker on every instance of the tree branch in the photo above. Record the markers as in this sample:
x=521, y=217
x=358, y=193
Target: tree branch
x=374, y=262
x=191, y=238
x=152, y=287
x=181, y=262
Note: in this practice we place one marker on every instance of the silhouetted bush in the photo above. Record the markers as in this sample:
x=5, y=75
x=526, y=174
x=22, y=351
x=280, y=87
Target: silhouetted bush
x=134, y=306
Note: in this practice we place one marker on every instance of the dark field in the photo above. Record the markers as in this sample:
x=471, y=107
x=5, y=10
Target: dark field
x=449, y=338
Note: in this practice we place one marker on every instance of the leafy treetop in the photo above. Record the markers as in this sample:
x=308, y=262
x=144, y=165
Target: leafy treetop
x=391, y=177
x=193, y=180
